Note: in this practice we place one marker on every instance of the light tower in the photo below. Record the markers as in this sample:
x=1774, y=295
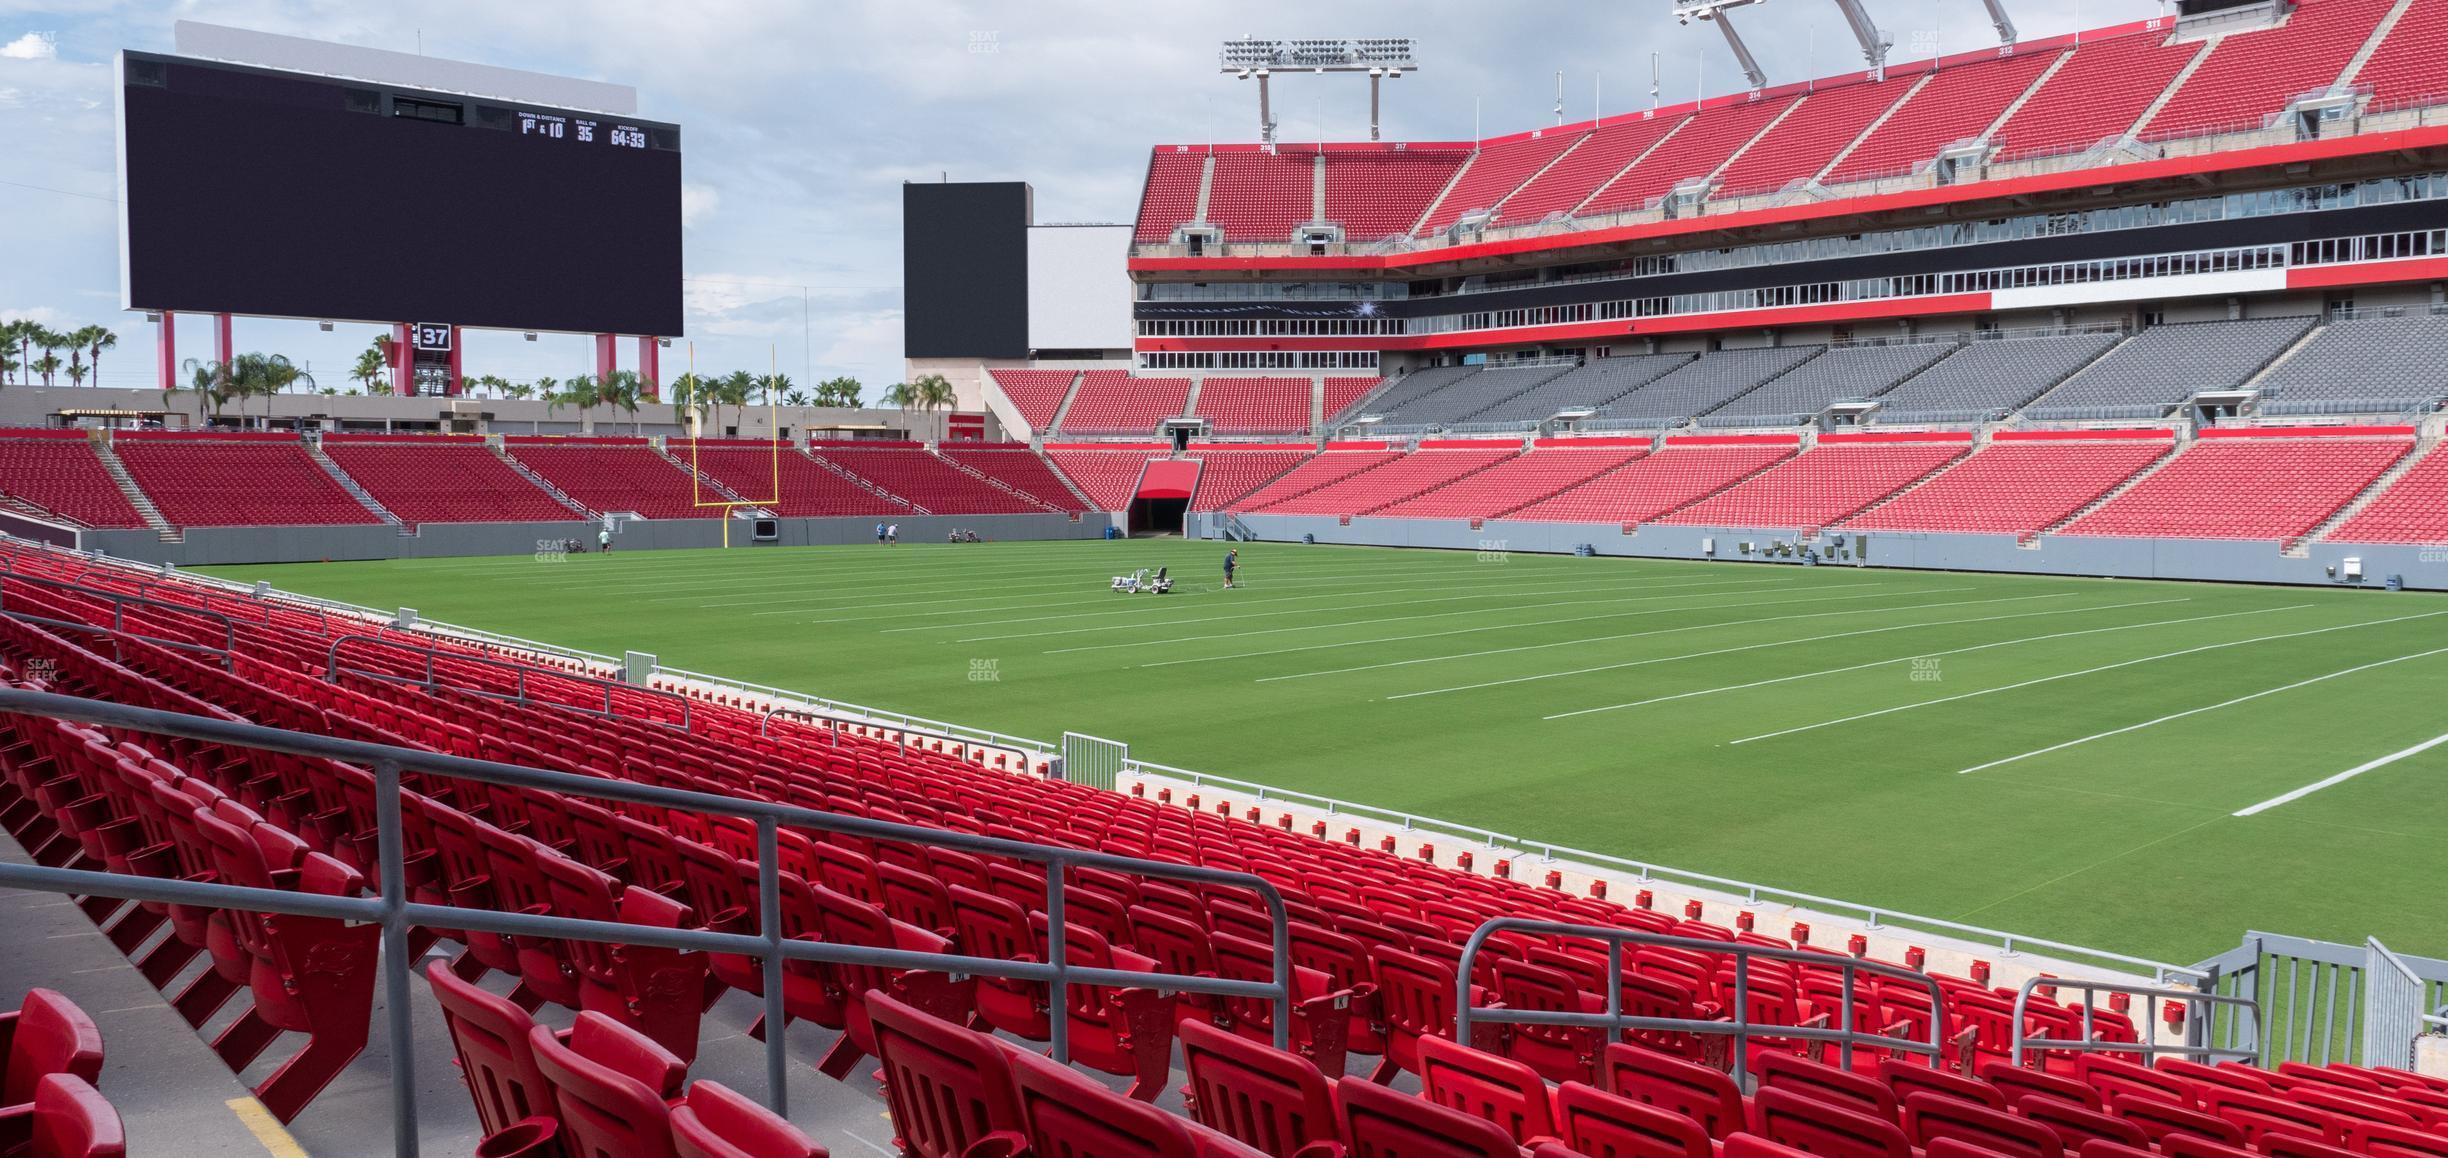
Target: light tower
x=1381, y=58
x=1874, y=43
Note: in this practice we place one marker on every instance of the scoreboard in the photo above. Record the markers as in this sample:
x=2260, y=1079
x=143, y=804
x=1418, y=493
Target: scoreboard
x=270, y=193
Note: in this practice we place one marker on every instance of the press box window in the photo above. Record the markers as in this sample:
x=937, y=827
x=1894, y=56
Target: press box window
x=439, y=113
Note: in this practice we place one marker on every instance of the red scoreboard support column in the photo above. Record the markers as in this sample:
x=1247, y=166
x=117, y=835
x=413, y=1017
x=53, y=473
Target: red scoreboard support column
x=222, y=346
x=165, y=351
x=607, y=356
x=650, y=367
x=403, y=359
x=455, y=379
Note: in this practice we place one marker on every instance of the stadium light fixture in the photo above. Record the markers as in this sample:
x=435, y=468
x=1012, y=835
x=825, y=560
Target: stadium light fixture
x=1717, y=12
x=1379, y=58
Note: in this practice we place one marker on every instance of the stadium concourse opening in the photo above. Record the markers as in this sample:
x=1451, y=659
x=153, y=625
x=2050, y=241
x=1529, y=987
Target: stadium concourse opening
x=1162, y=503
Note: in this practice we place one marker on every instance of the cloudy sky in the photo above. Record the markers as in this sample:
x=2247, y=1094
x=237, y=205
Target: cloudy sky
x=804, y=116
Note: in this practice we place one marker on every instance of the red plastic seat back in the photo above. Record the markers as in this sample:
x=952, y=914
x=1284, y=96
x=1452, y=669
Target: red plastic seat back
x=2160, y=1119
x=719, y=1122
x=1499, y=1089
x=1069, y=1116
x=1929, y=1117
x=1265, y=1097
x=1785, y=1071
x=2022, y=1085
x=47, y=1035
x=2113, y=1078
x=1695, y=1091
x=1907, y=1079
x=74, y=1120
x=948, y=1086
x=2195, y=1146
x=2077, y=1127
x=2258, y=1115
x=490, y=1035
x=2380, y=1141
x=1380, y=1123
x=2290, y=1146
x=1602, y=1125
x=1754, y=1146
x=604, y=1112
x=1823, y=1128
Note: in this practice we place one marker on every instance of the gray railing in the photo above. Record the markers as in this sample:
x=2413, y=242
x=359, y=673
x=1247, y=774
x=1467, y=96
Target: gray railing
x=2201, y=1006
x=518, y=671
x=1845, y=1036
x=119, y=602
x=2329, y=1002
x=392, y=909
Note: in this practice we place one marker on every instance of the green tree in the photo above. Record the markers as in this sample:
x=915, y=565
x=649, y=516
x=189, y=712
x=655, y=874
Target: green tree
x=734, y=389
x=903, y=395
x=794, y=398
x=49, y=341
x=96, y=339
x=15, y=336
x=623, y=389
x=934, y=393
x=264, y=375
x=371, y=365
x=211, y=383
x=583, y=392
x=774, y=386
x=842, y=391
x=76, y=367
x=47, y=365
x=687, y=391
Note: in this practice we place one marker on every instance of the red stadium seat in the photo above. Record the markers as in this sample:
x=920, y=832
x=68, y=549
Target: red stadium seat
x=717, y=1122
x=1500, y=1090
x=66, y=1118
x=491, y=1037
x=950, y=1088
x=2019, y=1084
x=1824, y=1129
x=2258, y=1115
x=612, y=1084
x=1929, y=1117
x=47, y=1034
x=1604, y=1125
x=2158, y=1119
x=2077, y=1127
x=1704, y=1095
x=1271, y=1100
x=1066, y=1113
x=1852, y=1091
x=1379, y=1123
x=1907, y=1079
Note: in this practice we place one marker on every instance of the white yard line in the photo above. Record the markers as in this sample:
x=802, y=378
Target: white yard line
x=2349, y=774
x=2084, y=672
x=1746, y=647
x=1377, y=619
x=1936, y=654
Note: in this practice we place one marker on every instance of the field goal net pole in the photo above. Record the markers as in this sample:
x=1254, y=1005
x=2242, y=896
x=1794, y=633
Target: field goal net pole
x=1092, y=760
x=773, y=424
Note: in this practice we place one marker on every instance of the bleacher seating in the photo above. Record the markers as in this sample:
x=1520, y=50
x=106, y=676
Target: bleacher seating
x=2247, y=485
x=1415, y=387
x=1593, y=384
x=1687, y=468
x=2016, y=486
x=1227, y=474
x=2164, y=365
x=2406, y=65
x=1172, y=193
x=204, y=481
x=2414, y=509
x=625, y=475
x=1822, y=485
x=1015, y=466
x=2097, y=94
x=1959, y=103
x=61, y=476
x=1261, y=196
x=1499, y=167
x=1116, y=402
x=927, y=482
x=1843, y=374
x=1695, y=150
x=2370, y=365
x=443, y=480
x=1107, y=477
x=749, y=468
x=2250, y=75
x=46, y=1034
x=1986, y=377
x=1326, y=469
x=1341, y=391
x=1804, y=142
x=1272, y=405
x=1379, y=193
x=1471, y=398
x=1384, y=972
x=1706, y=384
x=1571, y=180
x=1037, y=394
x=1395, y=480
x=1516, y=482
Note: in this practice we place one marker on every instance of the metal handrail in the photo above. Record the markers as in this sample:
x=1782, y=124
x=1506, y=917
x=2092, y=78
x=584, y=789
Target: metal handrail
x=120, y=600
x=1739, y=1027
x=332, y=670
x=392, y=909
x=2197, y=1045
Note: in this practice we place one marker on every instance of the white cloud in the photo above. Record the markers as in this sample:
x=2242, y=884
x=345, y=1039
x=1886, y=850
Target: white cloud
x=31, y=46
x=696, y=202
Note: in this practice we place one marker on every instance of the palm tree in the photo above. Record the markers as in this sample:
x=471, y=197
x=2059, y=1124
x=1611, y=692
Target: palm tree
x=774, y=386
x=46, y=366
x=903, y=395
x=14, y=334
x=735, y=389
x=794, y=397
x=211, y=383
x=50, y=341
x=842, y=391
x=688, y=390
x=934, y=393
x=264, y=375
x=370, y=366
x=76, y=367
x=96, y=339
x=622, y=388
x=582, y=392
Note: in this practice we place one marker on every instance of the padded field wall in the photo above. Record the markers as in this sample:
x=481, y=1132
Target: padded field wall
x=210, y=545
x=2423, y=568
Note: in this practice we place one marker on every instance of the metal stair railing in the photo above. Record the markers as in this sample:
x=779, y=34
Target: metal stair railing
x=1739, y=1026
x=392, y=909
x=2203, y=1008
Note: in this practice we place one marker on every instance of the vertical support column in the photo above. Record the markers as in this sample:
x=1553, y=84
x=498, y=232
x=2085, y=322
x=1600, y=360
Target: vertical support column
x=391, y=853
x=403, y=360
x=222, y=351
x=456, y=352
x=607, y=355
x=650, y=367
x=165, y=351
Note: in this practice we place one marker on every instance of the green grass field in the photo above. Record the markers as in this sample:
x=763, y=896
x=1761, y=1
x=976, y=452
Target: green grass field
x=2054, y=757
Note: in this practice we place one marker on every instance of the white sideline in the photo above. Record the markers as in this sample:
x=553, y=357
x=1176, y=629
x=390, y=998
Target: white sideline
x=1377, y=619
x=1480, y=591
x=2084, y=672
x=1936, y=654
x=1756, y=646
x=2348, y=774
x=1532, y=623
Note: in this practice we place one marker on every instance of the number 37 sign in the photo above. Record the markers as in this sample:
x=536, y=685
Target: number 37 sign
x=432, y=336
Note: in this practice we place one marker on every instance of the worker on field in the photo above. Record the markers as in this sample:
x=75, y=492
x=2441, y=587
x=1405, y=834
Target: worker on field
x=603, y=539
x=879, y=532
x=1232, y=560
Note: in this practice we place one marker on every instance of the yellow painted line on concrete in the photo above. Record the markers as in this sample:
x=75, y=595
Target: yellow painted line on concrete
x=266, y=1128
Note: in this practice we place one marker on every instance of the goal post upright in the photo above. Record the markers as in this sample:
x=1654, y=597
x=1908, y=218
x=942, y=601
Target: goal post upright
x=773, y=425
